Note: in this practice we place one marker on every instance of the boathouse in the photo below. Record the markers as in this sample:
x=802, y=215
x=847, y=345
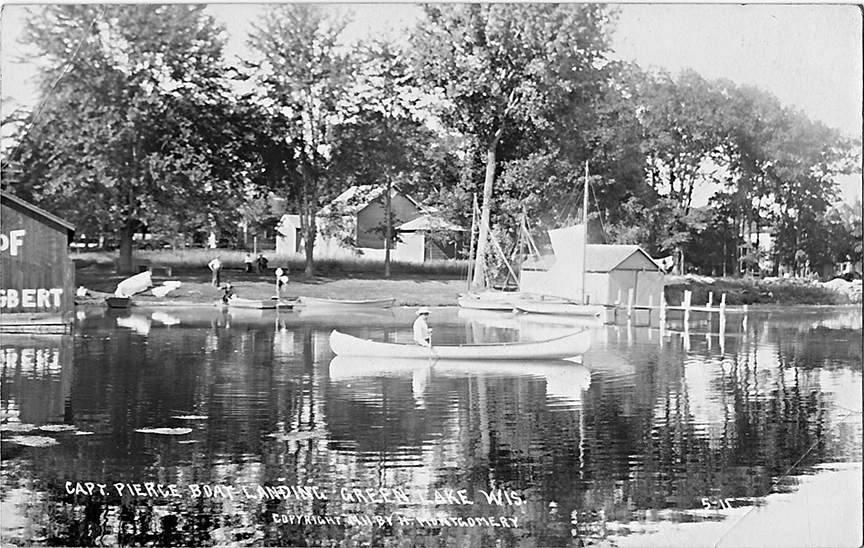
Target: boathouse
x=611, y=271
x=36, y=272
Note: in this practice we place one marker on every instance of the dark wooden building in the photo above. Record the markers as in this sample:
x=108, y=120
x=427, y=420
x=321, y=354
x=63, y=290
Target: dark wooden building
x=37, y=276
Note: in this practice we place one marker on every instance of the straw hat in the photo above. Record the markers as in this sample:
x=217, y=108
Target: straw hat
x=422, y=310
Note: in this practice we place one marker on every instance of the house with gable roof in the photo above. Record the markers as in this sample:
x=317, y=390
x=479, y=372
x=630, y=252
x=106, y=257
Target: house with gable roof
x=352, y=225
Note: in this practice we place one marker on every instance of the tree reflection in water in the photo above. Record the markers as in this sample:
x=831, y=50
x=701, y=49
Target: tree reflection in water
x=661, y=427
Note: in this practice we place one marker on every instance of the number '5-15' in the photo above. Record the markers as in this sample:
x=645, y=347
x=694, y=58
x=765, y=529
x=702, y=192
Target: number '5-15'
x=722, y=504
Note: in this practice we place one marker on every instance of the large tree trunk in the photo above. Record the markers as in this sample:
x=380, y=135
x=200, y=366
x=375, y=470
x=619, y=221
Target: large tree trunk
x=310, y=245
x=479, y=267
x=124, y=262
x=388, y=227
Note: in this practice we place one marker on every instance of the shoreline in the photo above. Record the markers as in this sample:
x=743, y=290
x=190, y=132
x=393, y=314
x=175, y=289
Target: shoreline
x=196, y=289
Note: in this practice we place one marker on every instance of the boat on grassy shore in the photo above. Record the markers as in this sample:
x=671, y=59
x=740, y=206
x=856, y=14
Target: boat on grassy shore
x=334, y=303
x=118, y=302
x=568, y=346
x=259, y=304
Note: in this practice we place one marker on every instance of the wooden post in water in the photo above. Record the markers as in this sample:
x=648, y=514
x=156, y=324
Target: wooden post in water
x=722, y=317
x=650, y=308
x=629, y=304
x=688, y=297
x=662, y=311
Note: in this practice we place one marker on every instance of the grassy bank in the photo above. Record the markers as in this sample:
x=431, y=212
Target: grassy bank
x=751, y=291
x=437, y=283
x=195, y=259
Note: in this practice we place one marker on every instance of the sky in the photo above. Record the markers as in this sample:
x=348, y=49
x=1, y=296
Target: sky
x=808, y=55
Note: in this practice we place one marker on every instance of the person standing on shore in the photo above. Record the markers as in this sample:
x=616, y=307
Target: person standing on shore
x=216, y=269
x=422, y=331
x=247, y=261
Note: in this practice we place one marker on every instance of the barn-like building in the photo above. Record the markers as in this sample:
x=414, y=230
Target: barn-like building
x=36, y=272
x=611, y=271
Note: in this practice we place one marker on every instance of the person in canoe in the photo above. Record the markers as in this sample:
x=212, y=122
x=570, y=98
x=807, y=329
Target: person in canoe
x=422, y=331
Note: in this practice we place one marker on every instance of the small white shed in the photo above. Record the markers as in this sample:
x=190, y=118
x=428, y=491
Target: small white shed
x=610, y=271
x=288, y=235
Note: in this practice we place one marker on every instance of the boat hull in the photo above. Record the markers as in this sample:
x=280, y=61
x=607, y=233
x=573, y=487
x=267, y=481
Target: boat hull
x=475, y=303
x=118, y=302
x=332, y=303
x=568, y=346
x=560, y=309
x=258, y=304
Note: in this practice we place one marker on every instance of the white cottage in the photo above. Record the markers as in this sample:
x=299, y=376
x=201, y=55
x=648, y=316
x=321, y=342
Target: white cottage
x=610, y=271
x=356, y=216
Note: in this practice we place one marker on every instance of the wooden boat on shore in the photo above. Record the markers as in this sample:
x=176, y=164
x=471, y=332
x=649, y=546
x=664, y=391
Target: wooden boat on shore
x=259, y=304
x=333, y=303
x=568, y=346
x=118, y=302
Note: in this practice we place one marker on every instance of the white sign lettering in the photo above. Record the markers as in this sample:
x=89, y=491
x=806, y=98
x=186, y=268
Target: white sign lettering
x=13, y=241
x=31, y=298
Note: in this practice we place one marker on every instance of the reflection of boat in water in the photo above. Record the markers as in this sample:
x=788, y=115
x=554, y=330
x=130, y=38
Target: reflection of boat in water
x=333, y=303
x=568, y=346
x=563, y=379
x=324, y=312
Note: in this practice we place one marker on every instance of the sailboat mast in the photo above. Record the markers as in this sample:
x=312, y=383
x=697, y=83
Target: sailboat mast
x=585, y=241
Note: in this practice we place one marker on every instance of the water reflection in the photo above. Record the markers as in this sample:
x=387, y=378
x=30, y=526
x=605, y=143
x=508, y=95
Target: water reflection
x=250, y=408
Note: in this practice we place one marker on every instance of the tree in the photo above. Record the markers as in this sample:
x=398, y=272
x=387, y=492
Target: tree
x=387, y=139
x=507, y=69
x=303, y=80
x=136, y=124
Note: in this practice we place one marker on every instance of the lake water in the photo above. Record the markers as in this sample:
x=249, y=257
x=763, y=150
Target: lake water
x=198, y=427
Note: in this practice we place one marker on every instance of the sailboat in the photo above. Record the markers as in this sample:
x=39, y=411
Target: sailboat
x=488, y=299
x=555, y=284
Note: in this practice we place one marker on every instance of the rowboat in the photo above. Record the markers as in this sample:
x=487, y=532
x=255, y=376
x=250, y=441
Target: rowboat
x=568, y=346
x=558, y=308
x=238, y=302
x=333, y=303
x=118, y=302
x=261, y=304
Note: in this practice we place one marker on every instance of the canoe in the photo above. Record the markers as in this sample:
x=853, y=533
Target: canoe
x=237, y=302
x=118, y=302
x=568, y=346
x=333, y=303
x=558, y=308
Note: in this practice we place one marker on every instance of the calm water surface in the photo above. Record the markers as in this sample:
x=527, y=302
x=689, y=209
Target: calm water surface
x=211, y=428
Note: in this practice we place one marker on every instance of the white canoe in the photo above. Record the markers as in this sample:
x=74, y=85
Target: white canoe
x=568, y=346
x=333, y=303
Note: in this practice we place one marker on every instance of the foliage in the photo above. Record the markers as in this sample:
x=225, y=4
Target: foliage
x=303, y=81
x=505, y=71
x=137, y=123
